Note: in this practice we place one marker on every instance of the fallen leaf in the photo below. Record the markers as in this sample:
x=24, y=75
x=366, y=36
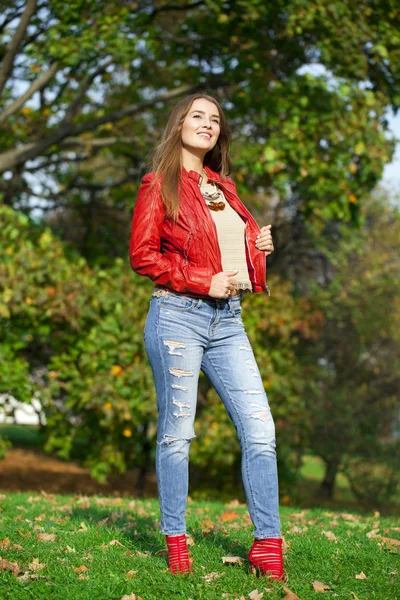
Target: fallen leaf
x=69, y=549
x=114, y=543
x=144, y=554
x=103, y=521
x=389, y=541
x=353, y=596
x=11, y=566
x=162, y=552
x=349, y=517
x=234, y=503
x=82, y=576
x=330, y=535
x=81, y=569
x=361, y=575
x=377, y=514
x=36, y=565
x=321, y=587
x=46, y=537
x=131, y=597
x=372, y=533
x=289, y=595
x=131, y=573
x=5, y=543
x=256, y=595
x=189, y=540
x=233, y=560
x=41, y=517
x=229, y=515
x=211, y=576
x=82, y=527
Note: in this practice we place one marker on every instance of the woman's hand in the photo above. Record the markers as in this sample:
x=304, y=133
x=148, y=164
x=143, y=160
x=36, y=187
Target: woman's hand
x=222, y=284
x=264, y=240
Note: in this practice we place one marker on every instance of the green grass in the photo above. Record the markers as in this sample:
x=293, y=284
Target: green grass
x=82, y=541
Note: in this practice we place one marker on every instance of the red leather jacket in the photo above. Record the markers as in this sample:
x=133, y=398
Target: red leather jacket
x=183, y=256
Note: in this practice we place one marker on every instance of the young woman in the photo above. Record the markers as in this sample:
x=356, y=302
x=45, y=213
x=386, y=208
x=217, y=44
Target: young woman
x=202, y=248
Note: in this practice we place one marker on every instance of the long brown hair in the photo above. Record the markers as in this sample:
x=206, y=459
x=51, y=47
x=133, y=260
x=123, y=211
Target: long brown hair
x=167, y=155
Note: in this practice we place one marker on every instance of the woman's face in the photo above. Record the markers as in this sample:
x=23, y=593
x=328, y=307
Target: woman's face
x=201, y=127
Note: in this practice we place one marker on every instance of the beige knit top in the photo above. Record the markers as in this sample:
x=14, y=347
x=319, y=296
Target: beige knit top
x=231, y=236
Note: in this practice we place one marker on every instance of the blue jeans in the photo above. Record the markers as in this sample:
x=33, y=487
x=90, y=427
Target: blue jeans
x=183, y=335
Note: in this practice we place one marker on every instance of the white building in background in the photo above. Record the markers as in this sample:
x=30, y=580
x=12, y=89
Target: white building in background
x=24, y=414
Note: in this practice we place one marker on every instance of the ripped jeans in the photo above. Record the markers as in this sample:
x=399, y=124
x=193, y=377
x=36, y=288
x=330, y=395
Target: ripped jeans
x=183, y=335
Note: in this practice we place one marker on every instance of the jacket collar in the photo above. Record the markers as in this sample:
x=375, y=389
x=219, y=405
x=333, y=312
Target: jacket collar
x=213, y=175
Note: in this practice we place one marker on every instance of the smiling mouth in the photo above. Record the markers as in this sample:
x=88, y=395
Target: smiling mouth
x=205, y=135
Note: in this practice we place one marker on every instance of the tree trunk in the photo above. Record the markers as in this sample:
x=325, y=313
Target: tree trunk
x=327, y=487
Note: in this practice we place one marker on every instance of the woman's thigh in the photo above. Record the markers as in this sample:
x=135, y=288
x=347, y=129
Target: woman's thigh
x=175, y=355
x=230, y=365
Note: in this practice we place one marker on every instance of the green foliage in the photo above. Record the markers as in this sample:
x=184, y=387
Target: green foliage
x=305, y=87
x=352, y=394
x=73, y=336
x=4, y=445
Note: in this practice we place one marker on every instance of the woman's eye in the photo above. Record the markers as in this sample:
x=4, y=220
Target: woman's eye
x=197, y=116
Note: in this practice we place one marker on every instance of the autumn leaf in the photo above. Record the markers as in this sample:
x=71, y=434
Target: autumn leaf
x=131, y=573
x=11, y=566
x=229, y=515
x=114, y=543
x=46, y=537
x=321, y=587
x=361, y=575
x=233, y=560
x=81, y=569
x=189, y=540
x=36, y=565
x=211, y=576
x=289, y=595
x=330, y=535
x=131, y=597
x=4, y=543
x=256, y=595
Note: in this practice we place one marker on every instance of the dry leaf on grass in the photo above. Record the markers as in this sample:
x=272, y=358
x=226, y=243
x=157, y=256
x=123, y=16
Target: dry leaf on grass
x=162, y=552
x=114, y=543
x=46, y=537
x=233, y=560
x=81, y=569
x=82, y=527
x=361, y=575
x=353, y=596
x=143, y=554
x=211, y=576
x=189, y=540
x=69, y=549
x=289, y=595
x=36, y=565
x=256, y=595
x=5, y=543
x=389, y=541
x=131, y=597
x=82, y=576
x=372, y=533
x=229, y=515
x=349, y=517
x=41, y=517
x=131, y=573
x=321, y=587
x=10, y=566
x=330, y=535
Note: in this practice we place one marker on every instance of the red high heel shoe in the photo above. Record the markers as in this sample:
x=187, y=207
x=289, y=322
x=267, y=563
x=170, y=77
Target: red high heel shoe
x=266, y=556
x=178, y=554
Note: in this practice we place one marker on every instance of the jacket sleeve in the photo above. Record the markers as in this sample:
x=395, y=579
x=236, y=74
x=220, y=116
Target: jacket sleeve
x=145, y=246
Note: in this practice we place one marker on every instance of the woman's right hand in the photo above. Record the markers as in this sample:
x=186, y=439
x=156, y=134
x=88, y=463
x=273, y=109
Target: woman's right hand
x=222, y=284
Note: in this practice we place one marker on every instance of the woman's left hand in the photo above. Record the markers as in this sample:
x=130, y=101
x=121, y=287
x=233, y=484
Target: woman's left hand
x=264, y=240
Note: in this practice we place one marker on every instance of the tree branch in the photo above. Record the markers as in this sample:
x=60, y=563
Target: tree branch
x=12, y=49
x=38, y=84
x=71, y=110
x=11, y=158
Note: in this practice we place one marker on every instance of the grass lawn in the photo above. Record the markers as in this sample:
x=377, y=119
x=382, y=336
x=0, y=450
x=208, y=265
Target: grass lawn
x=78, y=548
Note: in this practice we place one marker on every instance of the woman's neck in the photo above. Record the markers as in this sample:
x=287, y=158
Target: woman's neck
x=192, y=162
